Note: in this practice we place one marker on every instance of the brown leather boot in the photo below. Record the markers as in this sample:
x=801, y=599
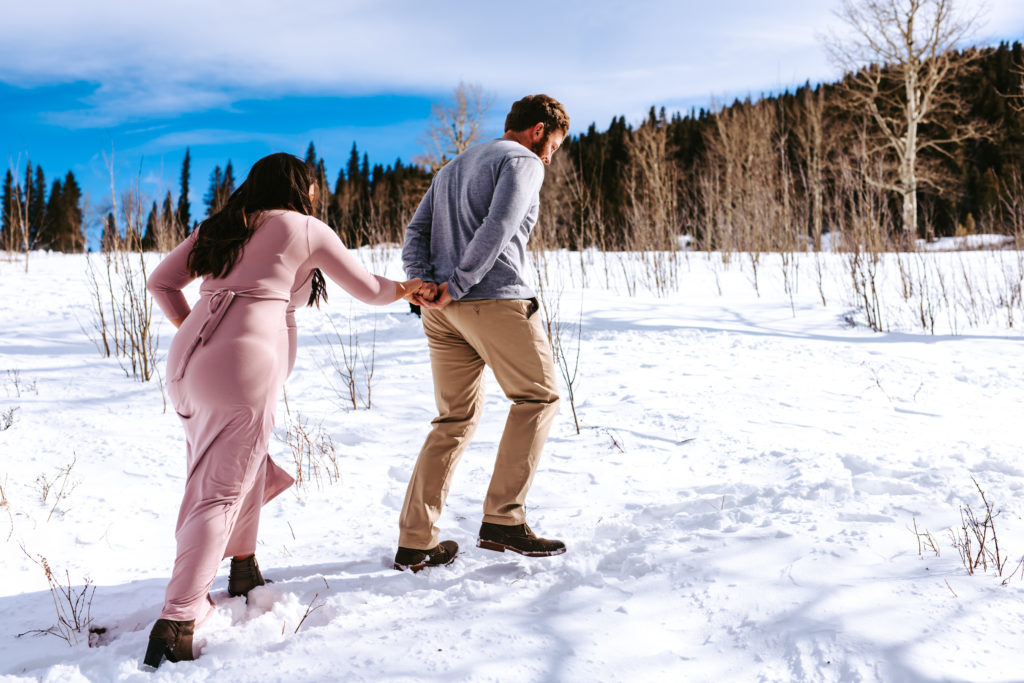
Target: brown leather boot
x=170, y=639
x=245, y=575
x=441, y=554
x=518, y=538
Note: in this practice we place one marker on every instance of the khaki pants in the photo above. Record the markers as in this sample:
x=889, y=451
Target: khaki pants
x=463, y=338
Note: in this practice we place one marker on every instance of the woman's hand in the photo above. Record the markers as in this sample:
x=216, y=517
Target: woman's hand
x=439, y=299
x=406, y=290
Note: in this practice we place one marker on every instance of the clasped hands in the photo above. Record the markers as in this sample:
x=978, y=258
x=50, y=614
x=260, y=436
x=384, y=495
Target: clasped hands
x=426, y=294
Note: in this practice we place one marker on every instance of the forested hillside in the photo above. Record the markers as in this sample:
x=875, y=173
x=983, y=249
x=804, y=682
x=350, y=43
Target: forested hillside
x=771, y=173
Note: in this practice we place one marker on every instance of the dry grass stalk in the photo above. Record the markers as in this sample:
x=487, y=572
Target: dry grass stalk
x=925, y=540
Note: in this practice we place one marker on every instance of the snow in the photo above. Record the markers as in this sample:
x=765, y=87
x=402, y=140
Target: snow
x=739, y=505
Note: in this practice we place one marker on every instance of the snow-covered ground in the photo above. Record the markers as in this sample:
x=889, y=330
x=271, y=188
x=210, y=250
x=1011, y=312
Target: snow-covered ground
x=740, y=504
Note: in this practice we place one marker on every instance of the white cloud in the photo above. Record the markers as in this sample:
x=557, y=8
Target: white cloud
x=600, y=58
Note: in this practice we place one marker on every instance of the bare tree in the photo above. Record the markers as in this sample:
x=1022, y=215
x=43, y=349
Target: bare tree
x=904, y=62
x=19, y=219
x=809, y=131
x=746, y=182
x=653, y=217
x=1017, y=97
x=455, y=124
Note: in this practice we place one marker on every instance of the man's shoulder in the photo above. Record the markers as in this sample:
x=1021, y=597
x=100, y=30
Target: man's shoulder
x=501, y=150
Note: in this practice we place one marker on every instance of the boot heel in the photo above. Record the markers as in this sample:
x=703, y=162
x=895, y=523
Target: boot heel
x=170, y=639
x=155, y=653
x=490, y=545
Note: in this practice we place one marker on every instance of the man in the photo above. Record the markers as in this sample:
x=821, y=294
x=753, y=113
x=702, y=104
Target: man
x=467, y=241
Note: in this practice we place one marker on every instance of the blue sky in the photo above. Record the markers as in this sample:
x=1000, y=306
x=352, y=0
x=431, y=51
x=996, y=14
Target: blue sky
x=141, y=81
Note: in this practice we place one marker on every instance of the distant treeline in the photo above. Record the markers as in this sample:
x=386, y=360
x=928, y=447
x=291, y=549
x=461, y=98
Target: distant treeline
x=771, y=174
x=54, y=219
x=763, y=174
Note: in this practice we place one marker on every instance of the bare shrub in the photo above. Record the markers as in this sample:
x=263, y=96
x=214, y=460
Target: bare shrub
x=72, y=604
x=353, y=364
x=976, y=539
x=61, y=485
x=313, y=452
x=14, y=380
x=8, y=418
x=122, y=308
x=565, y=340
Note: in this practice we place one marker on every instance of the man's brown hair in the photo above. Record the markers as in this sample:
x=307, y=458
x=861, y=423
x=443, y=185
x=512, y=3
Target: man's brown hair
x=534, y=109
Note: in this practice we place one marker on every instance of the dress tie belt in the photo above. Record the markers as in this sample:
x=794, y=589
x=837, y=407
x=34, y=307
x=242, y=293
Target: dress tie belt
x=220, y=301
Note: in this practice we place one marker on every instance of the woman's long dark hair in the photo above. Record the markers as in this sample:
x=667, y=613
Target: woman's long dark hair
x=277, y=181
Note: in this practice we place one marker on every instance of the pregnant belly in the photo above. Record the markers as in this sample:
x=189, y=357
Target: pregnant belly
x=243, y=362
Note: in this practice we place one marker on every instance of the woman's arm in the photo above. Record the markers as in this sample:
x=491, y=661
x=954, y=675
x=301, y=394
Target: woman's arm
x=329, y=255
x=169, y=278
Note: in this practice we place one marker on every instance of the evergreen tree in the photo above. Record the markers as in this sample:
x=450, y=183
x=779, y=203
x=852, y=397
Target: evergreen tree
x=48, y=236
x=212, y=196
x=168, y=218
x=353, y=164
x=229, y=183
x=184, y=212
x=110, y=239
x=37, y=204
x=149, y=239
x=7, y=212
x=71, y=236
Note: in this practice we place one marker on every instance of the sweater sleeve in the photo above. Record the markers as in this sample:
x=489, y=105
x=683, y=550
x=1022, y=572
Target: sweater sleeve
x=327, y=253
x=169, y=278
x=518, y=184
x=416, y=249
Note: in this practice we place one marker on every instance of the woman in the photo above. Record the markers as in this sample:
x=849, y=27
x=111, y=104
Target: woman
x=260, y=257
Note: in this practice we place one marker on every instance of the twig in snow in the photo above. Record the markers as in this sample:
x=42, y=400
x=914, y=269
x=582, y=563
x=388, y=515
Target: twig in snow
x=1018, y=568
x=66, y=471
x=929, y=541
x=310, y=608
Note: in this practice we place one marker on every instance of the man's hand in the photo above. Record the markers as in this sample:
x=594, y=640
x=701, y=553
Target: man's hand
x=441, y=299
x=426, y=292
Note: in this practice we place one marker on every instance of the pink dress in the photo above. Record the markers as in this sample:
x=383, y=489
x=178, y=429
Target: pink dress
x=225, y=370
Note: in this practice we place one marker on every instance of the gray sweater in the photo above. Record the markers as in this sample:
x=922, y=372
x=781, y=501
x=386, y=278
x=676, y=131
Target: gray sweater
x=472, y=226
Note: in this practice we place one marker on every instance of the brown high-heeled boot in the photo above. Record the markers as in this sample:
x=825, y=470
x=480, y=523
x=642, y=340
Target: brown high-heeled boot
x=170, y=639
x=245, y=575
